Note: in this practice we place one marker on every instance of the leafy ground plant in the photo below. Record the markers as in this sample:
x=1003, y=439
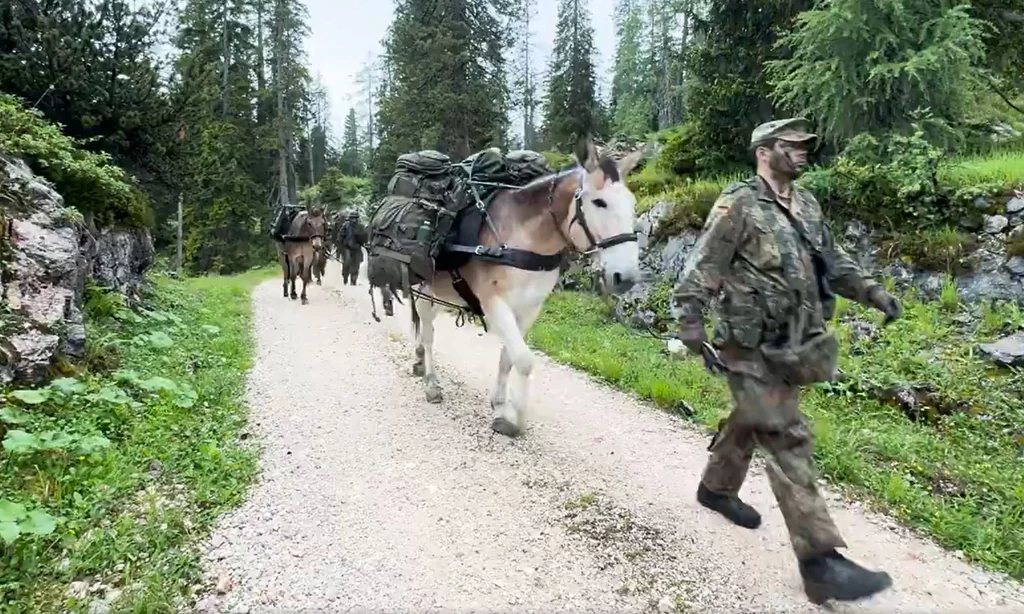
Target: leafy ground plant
x=920, y=426
x=108, y=478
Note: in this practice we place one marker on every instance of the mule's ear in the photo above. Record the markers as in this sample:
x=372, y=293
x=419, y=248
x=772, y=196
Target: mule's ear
x=586, y=154
x=627, y=164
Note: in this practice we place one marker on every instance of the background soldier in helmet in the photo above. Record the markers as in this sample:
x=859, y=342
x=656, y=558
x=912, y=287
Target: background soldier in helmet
x=351, y=239
x=765, y=244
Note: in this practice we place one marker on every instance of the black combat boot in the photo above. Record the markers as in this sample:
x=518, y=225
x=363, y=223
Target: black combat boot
x=833, y=576
x=729, y=506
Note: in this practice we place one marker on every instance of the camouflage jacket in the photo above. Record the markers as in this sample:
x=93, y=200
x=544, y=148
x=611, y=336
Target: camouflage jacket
x=753, y=253
x=352, y=235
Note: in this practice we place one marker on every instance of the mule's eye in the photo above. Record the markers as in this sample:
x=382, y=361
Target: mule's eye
x=600, y=203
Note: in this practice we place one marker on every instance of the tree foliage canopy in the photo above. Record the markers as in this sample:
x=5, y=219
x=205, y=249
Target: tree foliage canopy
x=871, y=66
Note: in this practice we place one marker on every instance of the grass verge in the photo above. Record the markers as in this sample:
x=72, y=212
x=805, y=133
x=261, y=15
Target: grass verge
x=950, y=468
x=110, y=476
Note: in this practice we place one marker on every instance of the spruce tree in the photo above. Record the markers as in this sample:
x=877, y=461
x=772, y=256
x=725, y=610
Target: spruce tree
x=571, y=108
x=633, y=105
x=351, y=162
x=862, y=66
x=444, y=83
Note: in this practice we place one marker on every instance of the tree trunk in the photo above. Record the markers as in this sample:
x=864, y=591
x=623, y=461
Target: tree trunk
x=282, y=127
x=261, y=66
x=226, y=59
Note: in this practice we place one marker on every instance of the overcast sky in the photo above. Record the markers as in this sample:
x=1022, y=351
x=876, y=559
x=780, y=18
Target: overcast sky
x=346, y=32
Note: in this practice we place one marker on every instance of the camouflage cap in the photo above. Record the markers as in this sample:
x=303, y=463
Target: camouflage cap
x=353, y=213
x=793, y=130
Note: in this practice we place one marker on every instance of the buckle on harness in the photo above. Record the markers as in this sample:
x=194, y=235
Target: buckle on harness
x=479, y=250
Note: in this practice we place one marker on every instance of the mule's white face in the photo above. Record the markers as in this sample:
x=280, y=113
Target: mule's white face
x=609, y=208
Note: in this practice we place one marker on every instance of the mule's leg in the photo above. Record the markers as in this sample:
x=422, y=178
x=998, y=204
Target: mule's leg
x=283, y=257
x=293, y=272
x=514, y=354
x=425, y=340
x=307, y=276
x=499, y=398
x=417, y=365
x=500, y=395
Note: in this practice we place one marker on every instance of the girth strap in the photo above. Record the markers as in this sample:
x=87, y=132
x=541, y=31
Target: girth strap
x=462, y=288
x=510, y=256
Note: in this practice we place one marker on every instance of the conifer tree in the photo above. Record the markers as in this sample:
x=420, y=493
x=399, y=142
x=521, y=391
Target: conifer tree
x=571, y=107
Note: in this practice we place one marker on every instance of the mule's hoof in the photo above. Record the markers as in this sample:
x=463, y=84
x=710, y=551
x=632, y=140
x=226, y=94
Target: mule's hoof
x=503, y=426
x=305, y=301
x=318, y=282
x=434, y=395
x=418, y=369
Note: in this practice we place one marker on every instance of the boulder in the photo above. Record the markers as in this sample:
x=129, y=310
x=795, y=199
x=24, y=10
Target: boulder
x=50, y=254
x=1006, y=352
x=1015, y=266
x=995, y=224
x=122, y=257
x=1016, y=205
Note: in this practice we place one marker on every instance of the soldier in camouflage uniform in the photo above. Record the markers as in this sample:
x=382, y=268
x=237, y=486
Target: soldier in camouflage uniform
x=765, y=245
x=351, y=239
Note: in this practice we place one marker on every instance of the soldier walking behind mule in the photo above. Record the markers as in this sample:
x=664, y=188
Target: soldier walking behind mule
x=766, y=245
x=351, y=239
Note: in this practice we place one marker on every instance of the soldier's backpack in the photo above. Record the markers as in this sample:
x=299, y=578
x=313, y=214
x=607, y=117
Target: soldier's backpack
x=426, y=197
x=408, y=227
x=491, y=171
x=279, y=228
x=424, y=174
x=525, y=166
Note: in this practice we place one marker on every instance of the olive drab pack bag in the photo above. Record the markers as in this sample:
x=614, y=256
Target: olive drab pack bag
x=282, y=222
x=425, y=197
x=409, y=225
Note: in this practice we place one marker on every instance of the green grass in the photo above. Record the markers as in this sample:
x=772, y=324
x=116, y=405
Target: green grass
x=135, y=456
x=937, y=249
x=1003, y=167
x=956, y=475
x=692, y=198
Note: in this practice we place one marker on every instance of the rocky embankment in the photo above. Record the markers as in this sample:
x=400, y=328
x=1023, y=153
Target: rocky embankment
x=48, y=253
x=989, y=273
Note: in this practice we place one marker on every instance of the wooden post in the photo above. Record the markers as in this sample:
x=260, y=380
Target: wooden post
x=178, y=262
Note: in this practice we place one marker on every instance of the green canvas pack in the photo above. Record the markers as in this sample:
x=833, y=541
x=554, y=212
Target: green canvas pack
x=409, y=226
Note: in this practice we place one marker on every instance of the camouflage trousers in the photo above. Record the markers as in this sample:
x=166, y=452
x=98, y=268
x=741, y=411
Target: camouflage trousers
x=351, y=259
x=767, y=415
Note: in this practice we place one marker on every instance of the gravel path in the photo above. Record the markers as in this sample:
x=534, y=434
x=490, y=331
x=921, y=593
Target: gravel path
x=372, y=499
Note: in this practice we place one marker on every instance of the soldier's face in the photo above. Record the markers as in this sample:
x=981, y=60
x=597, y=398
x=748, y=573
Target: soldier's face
x=788, y=159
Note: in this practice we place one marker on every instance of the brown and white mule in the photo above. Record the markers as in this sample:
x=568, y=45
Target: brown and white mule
x=589, y=209
x=301, y=247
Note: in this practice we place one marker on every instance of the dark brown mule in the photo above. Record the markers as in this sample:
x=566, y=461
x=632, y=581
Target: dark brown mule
x=301, y=248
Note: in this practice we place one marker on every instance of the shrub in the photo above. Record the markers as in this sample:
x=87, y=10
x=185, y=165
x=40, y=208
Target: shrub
x=557, y=160
x=1015, y=245
x=651, y=181
x=87, y=181
x=691, y=203
x=942, y=249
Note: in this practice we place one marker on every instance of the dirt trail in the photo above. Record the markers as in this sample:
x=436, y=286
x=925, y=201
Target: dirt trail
x=371, y=499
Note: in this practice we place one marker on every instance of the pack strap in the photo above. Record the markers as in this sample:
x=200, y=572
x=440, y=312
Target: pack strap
x=799, y=319
x=510, y=256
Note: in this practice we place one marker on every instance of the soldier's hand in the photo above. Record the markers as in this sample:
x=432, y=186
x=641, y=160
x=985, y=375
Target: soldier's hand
x=886, y=303
x=693, y=337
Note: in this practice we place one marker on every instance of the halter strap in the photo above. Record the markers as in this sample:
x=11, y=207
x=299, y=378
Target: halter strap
x=579, y=216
